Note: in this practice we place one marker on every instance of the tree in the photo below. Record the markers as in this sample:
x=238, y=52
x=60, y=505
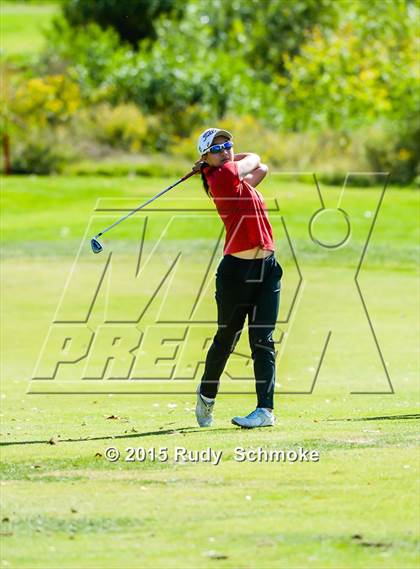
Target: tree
x=133, y=20
x=365, y=69
x=263, y=31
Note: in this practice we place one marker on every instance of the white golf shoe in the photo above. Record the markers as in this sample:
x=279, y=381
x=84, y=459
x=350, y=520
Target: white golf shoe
x=203, y=411
x=258, y=418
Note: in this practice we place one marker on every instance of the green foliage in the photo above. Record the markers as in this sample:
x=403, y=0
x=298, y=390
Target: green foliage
x=260, y=32
x=122, y=126
x=363, y=73
x=293, y=65
x=133, y=20
x=395, y=148
x=379, y=148
x=338, y=79
x=49, y=100
x=178, y=77
x=220, y=56
x=34, y=114
x=42, y=152
x=88, y=55
x=365, y=69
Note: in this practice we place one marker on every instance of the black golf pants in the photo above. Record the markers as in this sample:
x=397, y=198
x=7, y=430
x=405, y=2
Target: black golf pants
x=245, y=288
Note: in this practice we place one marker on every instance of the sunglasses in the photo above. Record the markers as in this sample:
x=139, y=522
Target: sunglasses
x=216, y=148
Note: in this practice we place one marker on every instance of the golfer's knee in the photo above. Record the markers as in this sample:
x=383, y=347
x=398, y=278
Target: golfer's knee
x=260, y=341
x=226, y=341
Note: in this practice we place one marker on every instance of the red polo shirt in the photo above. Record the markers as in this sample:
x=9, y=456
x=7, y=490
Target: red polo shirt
x=241, y=208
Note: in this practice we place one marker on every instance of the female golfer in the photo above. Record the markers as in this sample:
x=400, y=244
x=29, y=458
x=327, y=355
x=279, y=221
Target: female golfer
x=247, y=279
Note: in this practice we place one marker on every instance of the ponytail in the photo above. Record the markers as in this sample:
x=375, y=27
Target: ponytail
x=204, y=179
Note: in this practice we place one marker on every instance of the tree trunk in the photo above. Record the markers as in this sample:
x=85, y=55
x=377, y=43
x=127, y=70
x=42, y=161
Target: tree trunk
x=6, y=154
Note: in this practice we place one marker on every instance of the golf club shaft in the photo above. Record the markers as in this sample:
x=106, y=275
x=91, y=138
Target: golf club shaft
x=146, y=203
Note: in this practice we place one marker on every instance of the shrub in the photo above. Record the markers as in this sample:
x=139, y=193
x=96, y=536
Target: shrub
x=40, y=153
x=40, y=101
x=133, y=20
x=86, y=54
x=394, y=147
x=383, y=147
x=122, y=126
x=364, y=70
x=179, y=71
x=34, y=116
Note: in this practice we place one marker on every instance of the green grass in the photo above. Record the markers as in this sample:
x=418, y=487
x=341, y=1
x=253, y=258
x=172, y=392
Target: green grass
x=64, y=505
x=22, y=25
x=63, y=205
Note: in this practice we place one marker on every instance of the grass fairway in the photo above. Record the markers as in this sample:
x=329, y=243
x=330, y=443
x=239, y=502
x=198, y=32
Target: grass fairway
x=21, y=26
x=64, y=505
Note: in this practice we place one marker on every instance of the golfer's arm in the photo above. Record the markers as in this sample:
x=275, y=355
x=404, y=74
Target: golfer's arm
x=247, y=163
x=240, y=156
x=257, y=176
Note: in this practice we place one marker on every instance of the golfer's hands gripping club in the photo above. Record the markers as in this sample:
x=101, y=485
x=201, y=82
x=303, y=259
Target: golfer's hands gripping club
x=197, y=166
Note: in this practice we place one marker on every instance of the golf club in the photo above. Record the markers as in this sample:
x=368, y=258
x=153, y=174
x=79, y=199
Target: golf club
x=94, y=243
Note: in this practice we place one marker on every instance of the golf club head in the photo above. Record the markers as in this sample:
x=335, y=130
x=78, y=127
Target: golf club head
x=96, y=246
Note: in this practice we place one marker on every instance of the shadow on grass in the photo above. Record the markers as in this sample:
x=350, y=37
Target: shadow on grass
x=383, y=418
x=116, y=437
